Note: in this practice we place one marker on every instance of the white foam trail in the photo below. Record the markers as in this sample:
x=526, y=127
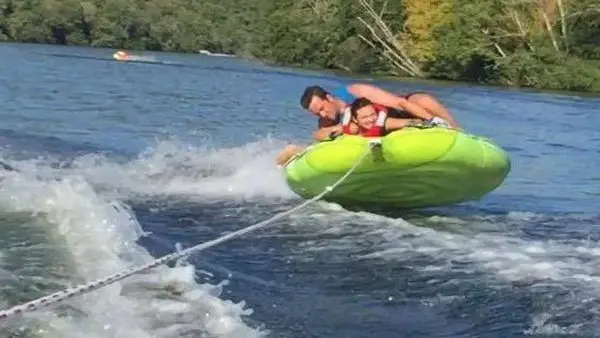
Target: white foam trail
x=171, y=168
x=99, y=235
x=505, y=255
x=149, y=58
x=496, y=257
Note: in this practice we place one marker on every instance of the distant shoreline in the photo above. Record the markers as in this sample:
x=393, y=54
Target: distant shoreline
x=470, y=42
x=368, y=77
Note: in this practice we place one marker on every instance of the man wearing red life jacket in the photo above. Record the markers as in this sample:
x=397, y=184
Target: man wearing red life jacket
x=369, y=119
x=330, y=107
x=362, y=117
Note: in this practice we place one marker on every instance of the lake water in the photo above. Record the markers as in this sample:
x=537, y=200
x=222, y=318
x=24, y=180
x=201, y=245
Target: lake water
x=121, y=163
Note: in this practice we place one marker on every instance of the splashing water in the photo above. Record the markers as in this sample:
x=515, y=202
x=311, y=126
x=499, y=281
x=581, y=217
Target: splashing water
x=96, y=235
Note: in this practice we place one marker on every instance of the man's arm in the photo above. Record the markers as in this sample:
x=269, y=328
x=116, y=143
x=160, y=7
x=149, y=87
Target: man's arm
x=324, y=133
x=325, y=127
x=385, y=98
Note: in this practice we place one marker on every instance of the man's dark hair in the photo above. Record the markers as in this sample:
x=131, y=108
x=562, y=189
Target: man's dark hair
x=357, y=104
x=309, y=93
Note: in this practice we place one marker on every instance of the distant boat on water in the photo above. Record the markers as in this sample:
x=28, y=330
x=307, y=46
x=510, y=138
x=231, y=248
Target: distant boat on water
x=205, y=52
x=125, y=56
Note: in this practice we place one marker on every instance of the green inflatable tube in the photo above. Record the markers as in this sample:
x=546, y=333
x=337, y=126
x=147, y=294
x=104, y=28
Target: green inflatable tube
x=414, y=167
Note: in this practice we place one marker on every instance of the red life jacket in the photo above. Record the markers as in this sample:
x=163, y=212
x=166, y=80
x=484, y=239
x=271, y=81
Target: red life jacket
x=376, y=130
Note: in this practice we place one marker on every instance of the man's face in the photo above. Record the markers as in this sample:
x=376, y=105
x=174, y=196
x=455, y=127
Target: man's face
x=324, y=108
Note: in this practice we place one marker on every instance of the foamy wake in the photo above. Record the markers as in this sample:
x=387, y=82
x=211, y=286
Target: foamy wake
x=80, y=201
x=99, y=234
x=171, y=168
x=486, y=248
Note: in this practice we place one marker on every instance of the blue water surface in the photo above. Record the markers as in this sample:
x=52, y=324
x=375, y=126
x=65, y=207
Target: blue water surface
x=182, y=147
